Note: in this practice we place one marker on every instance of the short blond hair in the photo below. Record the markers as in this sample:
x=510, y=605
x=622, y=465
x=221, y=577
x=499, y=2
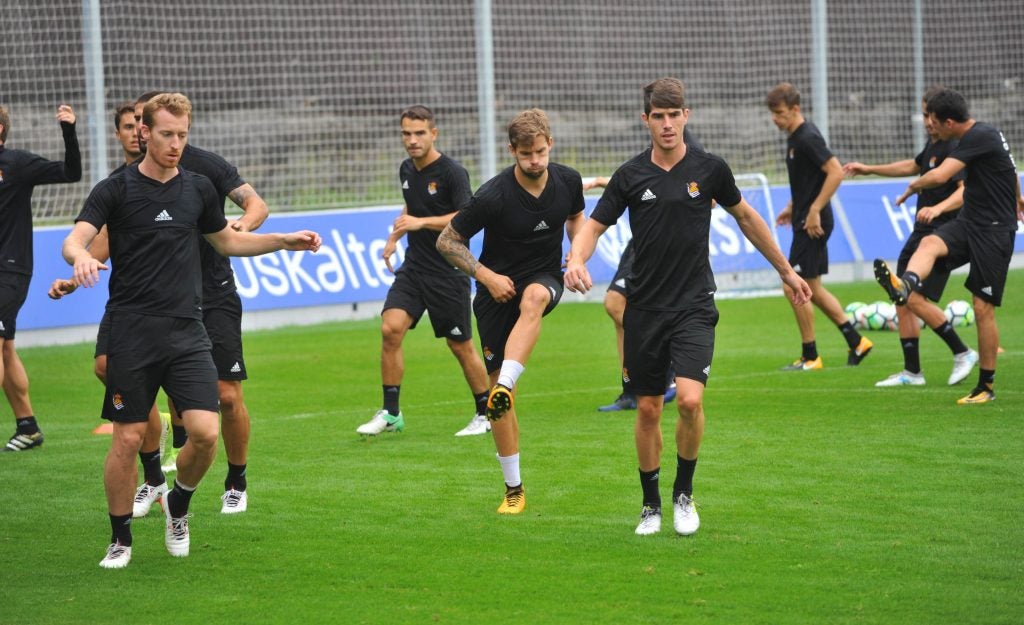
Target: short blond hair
x=527, y=126
x=176, y=104
x=5, y=121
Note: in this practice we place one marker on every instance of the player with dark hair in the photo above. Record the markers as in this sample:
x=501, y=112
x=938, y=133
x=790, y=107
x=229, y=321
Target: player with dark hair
x=982, y=234
x=434, y=187
x=814, y=176
x=20, y=173
x=934, y=208
x=156, y=337
x=523, y=211
x=671, y=315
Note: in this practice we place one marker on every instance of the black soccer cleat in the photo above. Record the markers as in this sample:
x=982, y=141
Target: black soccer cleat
x=894, y=286
x=498, y=402
x=24, y=442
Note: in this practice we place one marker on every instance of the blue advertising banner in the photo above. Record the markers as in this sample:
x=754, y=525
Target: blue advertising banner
x=349, y=268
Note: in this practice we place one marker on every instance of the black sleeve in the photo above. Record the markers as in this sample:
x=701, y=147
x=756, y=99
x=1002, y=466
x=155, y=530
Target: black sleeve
x=726, y=193
x=479, y=211
x=212, y=218
x=814, y=146
x=613, y=201
x=104, y=198
x=459, y=184
x=38, y=170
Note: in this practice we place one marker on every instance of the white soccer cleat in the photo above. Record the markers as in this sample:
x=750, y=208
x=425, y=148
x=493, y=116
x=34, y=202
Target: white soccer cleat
x=903, y=378
x=118, y=556
x=145, y=496
x=234, y=501
x=477, y=425
x=962, y=366
x=175, y=533
x=684, y=515
x=650, y=521
x=382, y=421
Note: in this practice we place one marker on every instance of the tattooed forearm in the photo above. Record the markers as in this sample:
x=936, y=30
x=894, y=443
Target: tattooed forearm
x=455, y=249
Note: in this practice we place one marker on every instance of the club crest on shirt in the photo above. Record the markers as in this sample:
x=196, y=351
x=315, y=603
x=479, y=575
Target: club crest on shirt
x=432, y=188
x=931, y=162
x=693, y=190
x=1, y=175
x=792, y=153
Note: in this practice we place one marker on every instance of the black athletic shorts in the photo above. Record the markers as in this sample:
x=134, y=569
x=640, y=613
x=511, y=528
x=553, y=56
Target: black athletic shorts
x=809, y=257
x=933, y=287
x=654, y=341
x=223, y=321
x=13, y=291
x=620, y=281
x=987, y=250
x=102, y=336
x=147, y=352
x=495, y=321
x=446, y=299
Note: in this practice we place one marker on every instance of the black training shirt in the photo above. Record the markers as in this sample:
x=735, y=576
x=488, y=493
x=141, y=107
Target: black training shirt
x=990, y=190
x=154, y=245
x=442, y=187
x=931, y=156
x=670, y=216
x=522, y=234
x=806, y=152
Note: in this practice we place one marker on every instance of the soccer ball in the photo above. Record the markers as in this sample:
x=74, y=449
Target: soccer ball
x=851, y=312
x=959, y=313
x=877, y=316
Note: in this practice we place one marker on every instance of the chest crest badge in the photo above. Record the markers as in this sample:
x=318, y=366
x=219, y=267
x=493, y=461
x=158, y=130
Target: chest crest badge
x=693, y=190
x=432, y=188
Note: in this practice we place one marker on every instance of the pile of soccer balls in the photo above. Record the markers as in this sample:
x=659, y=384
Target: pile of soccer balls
x=882, y=315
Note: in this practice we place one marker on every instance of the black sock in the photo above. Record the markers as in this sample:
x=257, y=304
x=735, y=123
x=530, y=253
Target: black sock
x=121, y=529
x=684, y=477
x=481, y=402
x=180, y=436
x=391, y=399
x=911, y=354
x=178, y=500
x=649, y=484
x=151, y=471
x=952, y=339
x=912, y=279
x=810, y=350
x=850, y=334
x=236, y=477
x=986, y=378
x=27, y=425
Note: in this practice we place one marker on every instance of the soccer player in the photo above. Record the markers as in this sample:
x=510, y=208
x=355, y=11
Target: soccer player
x=20, y=173
x=523, y=212
x=435, y=187
x=671, y=315
x=152, y=211
x=934, y=207
x=982, y=234
x=814, y=176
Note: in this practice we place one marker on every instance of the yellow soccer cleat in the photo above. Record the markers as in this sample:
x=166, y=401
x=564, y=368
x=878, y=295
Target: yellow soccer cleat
x=514, y=501
x=980, y=395
x=860, y=352
x=498, y=402
x=802, y=364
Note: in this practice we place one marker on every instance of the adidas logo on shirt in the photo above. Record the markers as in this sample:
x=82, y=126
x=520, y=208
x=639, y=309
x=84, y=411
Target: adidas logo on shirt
x=236, y=368
x=163, y=216
x=541, y=226
x=648, y=196
x=456, y=331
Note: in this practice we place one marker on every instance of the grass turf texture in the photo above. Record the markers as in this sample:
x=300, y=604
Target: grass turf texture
x=822, y=498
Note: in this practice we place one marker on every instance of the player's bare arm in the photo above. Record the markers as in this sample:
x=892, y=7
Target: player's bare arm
x=833, y=178
x=577, y=277
x=938, y=176
x=455, y=248
x=86, y=269
x=758, y=233
x=896, y=169
x=99, y=248
x=955, y=200
x=255, y=209
x=230, y=242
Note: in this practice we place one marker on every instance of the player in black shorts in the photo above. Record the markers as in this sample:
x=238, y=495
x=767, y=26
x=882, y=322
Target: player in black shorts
x=523, y=212
x=814, y=176
x=153, y=210
x=934, y=208
x=982, y=234
x=671, y=315
x=20, y=173
x=435, y=187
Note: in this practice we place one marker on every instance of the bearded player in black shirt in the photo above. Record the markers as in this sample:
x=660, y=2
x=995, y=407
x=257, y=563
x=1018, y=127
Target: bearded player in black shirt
x=982, y=234
x=670, y=316
x=934, y=208
x=156, y=335
x=523, y=212
x=20, y=173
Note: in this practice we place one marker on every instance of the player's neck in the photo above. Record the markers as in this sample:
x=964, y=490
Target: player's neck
x=667, y=159
x=151, y=169
x=533, y=186
x=428, y=159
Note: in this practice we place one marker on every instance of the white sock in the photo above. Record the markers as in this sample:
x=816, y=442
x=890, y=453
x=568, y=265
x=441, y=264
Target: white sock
x=510, y=469
x=509, y=374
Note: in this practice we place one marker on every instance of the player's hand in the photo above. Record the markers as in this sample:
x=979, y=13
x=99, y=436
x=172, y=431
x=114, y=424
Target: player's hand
x=786, y=216
x=239, y=226
x=854, y=169
x=927, y=214
x=388, y=252
x=407, y=223
x=577, y=278
x=86, y=270
x=61, y=287
x=65, y=114
x=1020, y=209
x=812, y=225
x=303, y=240
x=904, y=196
x=501, y=287
x=599, y=181
x=800, y=292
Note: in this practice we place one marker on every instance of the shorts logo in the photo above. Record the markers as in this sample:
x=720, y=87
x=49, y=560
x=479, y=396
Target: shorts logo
x=2, y=328
x=456, y=331
x=405, y=184
x=1, y=175
x=796, y=267
x=621, y=283
x=116, y=400
x=707, y=370
x=625, y=374
x=488, y=354
x=432, y=188
x=693, y=190
x=987, y=290
x=236, y=368
x=792, y=153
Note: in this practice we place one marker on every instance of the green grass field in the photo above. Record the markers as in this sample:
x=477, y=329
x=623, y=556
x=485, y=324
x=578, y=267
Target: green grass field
x=822, y=498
